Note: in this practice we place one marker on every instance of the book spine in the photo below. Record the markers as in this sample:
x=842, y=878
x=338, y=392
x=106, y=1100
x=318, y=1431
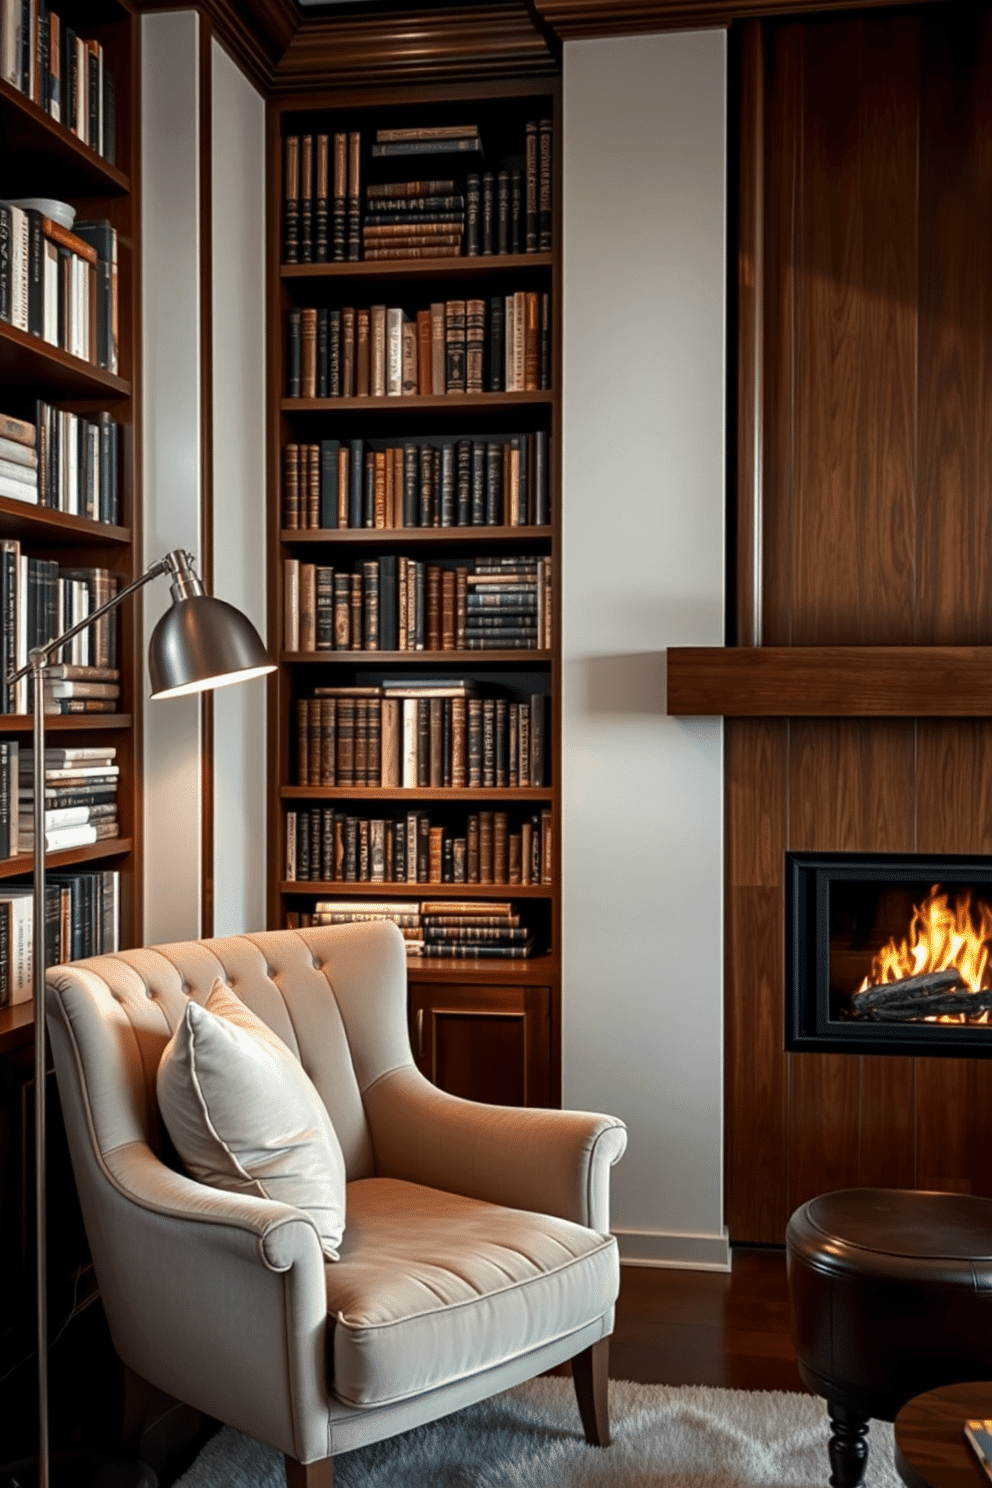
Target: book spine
x=455, y=346
x=497, y=354
x=321, y=202
x=488, y=212
x=503, y=211
x=306, y=199
x=339, y=210
x=544, y=188
x=354, y=197
x=334, y=353
x=293, y=357
x=291, y=200
x=473, y=205
x=531, y=198
x=516, y=210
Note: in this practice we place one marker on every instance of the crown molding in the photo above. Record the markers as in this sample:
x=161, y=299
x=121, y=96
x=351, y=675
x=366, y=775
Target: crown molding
x=424, y=46
x=571, y=19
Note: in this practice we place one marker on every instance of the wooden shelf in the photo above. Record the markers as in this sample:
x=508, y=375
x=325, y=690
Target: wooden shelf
x=110, y=847
x=452, y=403
x=29, y=360
x=22, y=723
x=448, y=793
x=461, y=267
x=16, y=1026
x=417, y=890
x=539, y=970
x=27, y=127
x=831, y=681
x=381, y=537
x=42, y=524
x=433, y=658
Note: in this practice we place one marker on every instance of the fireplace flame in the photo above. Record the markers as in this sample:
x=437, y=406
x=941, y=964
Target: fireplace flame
x=940, y=938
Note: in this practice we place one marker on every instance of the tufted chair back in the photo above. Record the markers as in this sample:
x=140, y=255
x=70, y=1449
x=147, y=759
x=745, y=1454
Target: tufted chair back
x=312, y=987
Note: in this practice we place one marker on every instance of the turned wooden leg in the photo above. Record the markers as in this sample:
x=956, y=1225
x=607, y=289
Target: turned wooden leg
x=309, y=1474
x=848, y=1448
x=590, y=1376
x=137, y=1404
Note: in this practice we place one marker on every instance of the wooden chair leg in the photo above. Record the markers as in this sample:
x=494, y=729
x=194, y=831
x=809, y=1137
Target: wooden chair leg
x=590, y=1374
x=309, y=1474
x=847, y=1446
x=137, y=1404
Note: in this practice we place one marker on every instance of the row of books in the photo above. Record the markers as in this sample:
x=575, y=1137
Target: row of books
x=326, y=845
x=62, y=73
x=62, y=460
x=421, y=732
x=80, y=798
x=61, y=285
x=82, y=918
x=395, y=603
x=506, y=211
x=478, y=928
x=38, y=600
x=336, y=483
x=499, y=345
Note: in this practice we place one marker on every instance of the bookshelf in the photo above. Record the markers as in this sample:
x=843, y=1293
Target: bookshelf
x=485, y=1028
x=42, y=157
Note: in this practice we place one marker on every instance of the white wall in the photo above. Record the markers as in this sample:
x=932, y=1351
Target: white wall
x=238, y=129
x=643, y=560
x=170, y=232
x=173, y=448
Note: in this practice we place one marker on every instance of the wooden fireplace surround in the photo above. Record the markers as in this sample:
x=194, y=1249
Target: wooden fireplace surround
x=857, y=678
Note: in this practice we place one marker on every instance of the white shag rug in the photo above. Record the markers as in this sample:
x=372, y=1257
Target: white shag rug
x=531, y=1437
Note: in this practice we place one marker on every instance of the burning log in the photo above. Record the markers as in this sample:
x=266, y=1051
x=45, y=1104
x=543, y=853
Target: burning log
x=908, y=989
x=940, y=1005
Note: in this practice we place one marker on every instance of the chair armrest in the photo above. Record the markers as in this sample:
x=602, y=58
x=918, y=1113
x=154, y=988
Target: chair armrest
x=217, y=1298
x=552, y=1162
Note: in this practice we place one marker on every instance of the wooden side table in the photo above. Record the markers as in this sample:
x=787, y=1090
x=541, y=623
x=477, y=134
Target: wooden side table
x=930, y=1450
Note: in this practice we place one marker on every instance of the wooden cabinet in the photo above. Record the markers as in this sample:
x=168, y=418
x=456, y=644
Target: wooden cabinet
x=485, y=1043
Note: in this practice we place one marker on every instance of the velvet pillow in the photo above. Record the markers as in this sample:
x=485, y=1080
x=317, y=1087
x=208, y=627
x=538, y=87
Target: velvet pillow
x=245, y=1116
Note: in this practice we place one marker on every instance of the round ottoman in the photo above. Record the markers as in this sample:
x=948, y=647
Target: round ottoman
x=891, y=1295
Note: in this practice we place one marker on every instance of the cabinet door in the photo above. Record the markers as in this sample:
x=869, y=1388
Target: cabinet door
x=484, y=1043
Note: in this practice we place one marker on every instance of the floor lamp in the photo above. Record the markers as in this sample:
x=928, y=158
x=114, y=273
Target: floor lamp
x=199, y=643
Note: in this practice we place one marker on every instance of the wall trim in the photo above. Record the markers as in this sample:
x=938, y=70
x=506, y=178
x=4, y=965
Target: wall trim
x=674, y=1250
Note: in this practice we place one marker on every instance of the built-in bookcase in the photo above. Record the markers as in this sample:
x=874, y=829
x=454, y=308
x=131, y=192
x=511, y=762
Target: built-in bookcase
x=40, y=157
x=487, y=1028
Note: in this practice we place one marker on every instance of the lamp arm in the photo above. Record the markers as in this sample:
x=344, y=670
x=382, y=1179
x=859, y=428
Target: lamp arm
x=44, y=652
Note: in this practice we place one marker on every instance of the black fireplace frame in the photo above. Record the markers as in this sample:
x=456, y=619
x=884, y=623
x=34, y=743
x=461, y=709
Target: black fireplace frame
x=808, y=1026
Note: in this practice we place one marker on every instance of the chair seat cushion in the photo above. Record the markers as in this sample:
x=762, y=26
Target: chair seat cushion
x=431, y=1287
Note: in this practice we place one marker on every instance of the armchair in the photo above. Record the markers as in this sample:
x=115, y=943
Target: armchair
x=476, y=1251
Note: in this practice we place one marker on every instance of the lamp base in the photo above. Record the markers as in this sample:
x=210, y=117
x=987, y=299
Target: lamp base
x=79, y=1470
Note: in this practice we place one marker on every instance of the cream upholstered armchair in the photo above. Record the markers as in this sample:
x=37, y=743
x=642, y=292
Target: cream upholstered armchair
x=476, y=1250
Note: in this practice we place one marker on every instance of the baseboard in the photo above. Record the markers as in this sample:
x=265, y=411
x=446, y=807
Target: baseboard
x=679, y=1251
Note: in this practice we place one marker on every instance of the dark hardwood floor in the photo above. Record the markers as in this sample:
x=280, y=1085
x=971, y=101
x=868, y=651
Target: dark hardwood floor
x=705, y=1327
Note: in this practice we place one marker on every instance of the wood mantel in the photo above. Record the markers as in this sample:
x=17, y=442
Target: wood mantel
x=831, y=681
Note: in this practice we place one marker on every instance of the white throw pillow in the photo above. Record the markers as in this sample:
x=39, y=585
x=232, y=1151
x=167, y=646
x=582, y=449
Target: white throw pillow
x=245, y=1116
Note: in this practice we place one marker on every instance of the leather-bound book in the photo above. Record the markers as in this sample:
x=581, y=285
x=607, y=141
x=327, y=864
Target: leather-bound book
x=342, y=611
x=503, y=211
x=425, y=384
x=486, y=864
x=532, y=341
x=454, y=341
x=325, y=608
x=448, y=610
x=356, y=483
x=526, y=778
x=477, y=490
x=356, y=611
x=461, y=606
x=494, y=484
x=391, y=733
x=514, y=858
x=306, y=198
x=433, y=608
x=291, y=201
x=293, y=352
x=439, y=365
x=308, y=353
x=291, y=604
x=388, y=610
x=373, y=759
x=377, y=352
x=426, y=486
x=436, y=747
x=538, y=735
x=363, y=353
x=544, y=186
x=313, y=486
x=435, y=861
x=459, y=743
x=423, y=846
x=344, y=484
x=501, y=847
x=291, y=486
x=488, y=212
x=525, y=852
x=370, y=604
x=308, y=607
x=350, y=874
x=530, y=186
x=321, y=199
x=334, y=353
x=446, y=742
x=472, y=847
x=545, y=346
x=502, y=744
x=411, y=484
x=362, y=739
x=339, y=208
x=423, y=742
x=459, y=864
x=446, y=515
x=547, y=848
x=475, y=345
x=303, y=741
x=497, y=352
x=354, y=197
x=380, y=492
x=328, y=740
x=323, y=353
x=488, y=742
x=409, y=359
x=313, y=736
x=473, y=210
x=377, y=851
x=327, y=843
x=348, y=351
x=474, y=742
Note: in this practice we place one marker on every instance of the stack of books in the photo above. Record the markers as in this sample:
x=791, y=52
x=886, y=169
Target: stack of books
x=497, y=482
x=325, y=845
x=59, y=284
x=80, y=797
x=502, y=344
x=413, y=219
x=404, y=913
x=18, y=460
x=397, y=603
x=82, y=918
x=62, y=73
x=39, y=600
x=480, y=928
x=420, y=731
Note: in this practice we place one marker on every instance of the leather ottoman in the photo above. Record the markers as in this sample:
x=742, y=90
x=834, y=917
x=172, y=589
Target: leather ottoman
x=891, y=1295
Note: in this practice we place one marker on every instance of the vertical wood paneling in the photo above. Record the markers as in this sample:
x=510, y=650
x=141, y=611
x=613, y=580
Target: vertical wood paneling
x=750, y=338
x=955, y=304
x=877, y=451
x=757, y=1186
x=852, y=549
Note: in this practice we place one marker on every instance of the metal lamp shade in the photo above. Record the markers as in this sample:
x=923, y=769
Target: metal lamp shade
x=200, y=643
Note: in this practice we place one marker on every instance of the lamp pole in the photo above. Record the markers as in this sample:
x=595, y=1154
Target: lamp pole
x=224, y=648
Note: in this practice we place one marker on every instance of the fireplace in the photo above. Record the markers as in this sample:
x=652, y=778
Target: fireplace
x=888, y=954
